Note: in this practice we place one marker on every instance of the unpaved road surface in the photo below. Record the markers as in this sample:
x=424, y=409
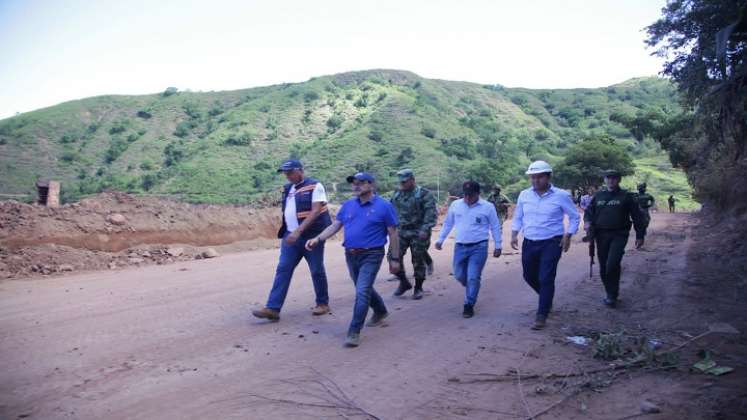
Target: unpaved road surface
x=179, y=342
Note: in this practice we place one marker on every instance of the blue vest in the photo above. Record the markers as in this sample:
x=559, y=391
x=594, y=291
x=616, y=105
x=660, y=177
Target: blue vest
x=303, y=195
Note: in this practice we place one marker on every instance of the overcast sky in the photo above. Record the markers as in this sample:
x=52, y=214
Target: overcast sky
x=53, y=51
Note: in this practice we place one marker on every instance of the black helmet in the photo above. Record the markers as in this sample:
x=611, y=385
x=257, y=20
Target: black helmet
x=642, y=186
x=612, y=173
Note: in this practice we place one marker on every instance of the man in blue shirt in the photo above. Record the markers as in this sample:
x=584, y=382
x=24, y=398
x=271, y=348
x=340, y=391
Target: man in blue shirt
x=473, y=218
x=367, y=219
x=539, y=214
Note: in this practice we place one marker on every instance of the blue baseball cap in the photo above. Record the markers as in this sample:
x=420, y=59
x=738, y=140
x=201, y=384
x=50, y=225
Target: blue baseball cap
x=361, y=176
x=290, y=165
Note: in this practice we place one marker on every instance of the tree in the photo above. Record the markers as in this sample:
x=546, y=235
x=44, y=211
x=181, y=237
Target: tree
x=704, y=43
x=170, y=91
x=585, y=162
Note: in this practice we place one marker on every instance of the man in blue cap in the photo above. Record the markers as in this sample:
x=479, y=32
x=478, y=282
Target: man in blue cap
x=368, y=220
x=305, y=215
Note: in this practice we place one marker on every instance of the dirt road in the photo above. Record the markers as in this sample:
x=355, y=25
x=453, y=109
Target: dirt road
x=178, y=341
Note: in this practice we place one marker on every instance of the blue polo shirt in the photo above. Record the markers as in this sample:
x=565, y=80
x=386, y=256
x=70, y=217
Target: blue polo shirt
x=366, y=224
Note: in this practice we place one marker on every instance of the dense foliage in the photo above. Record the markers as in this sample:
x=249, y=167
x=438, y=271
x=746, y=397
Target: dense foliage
x=704, y=42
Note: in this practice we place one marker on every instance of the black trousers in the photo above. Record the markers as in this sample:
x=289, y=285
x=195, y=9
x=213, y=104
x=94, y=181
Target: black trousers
x=610, y=250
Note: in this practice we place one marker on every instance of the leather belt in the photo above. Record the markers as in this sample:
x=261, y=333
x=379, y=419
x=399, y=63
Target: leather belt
x=356, y=251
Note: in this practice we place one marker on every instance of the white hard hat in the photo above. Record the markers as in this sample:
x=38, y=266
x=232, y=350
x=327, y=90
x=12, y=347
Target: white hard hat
x=539, y=167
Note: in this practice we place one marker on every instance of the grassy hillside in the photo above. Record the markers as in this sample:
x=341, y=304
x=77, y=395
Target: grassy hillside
x=223, y=147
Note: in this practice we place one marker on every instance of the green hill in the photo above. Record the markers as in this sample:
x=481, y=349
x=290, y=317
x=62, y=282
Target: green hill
x=223, y=147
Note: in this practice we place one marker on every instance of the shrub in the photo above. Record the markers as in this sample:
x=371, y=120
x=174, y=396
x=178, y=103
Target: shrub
x=92, y=128
x=173, y=154
x=264, y=108
x=243, y=139
x=182, y=129
x=375, y=135
x=362, y=102
x=132, y=137
x=310, y=96
x=118, y=127
x=69, y=156
x=68, y=138
x=148, y=181
x=170, y=91
x=146, y=165
x=429, y=132
x=116, y=148
x=334, y=122
x=216, y=109
x=192, y=111
x=144, y=114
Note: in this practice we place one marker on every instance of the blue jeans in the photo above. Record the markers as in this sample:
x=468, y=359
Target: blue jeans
x=290, y=256
x=539, y=260
x=469, y=260
x=363, y=270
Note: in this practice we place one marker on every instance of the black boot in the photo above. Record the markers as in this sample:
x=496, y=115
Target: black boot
x=469, y=311
x=418, y=294
x=404, y=286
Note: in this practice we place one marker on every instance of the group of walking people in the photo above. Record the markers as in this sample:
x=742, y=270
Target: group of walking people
x=405, y=221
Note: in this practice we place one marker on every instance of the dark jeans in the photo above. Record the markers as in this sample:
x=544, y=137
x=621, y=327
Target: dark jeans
x=611, y=248
x=290, y=256
x=469, y=260
x=363, y=269
x=539, y=260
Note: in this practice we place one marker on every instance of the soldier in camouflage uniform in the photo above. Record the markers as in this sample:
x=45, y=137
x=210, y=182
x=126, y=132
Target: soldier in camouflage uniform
x=416, y=211
x=646, y=201
x=500, y=201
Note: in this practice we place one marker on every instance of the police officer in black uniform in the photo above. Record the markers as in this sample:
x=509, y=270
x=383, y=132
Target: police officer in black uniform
x=608, y=218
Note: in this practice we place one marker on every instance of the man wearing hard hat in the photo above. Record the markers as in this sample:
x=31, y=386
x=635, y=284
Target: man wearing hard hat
x=539, y=216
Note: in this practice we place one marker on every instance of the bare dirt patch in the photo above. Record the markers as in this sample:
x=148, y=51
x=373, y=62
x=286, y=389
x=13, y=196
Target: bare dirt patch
x=116, y=229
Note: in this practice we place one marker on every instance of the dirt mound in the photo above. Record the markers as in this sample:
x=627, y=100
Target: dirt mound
x=116, y=229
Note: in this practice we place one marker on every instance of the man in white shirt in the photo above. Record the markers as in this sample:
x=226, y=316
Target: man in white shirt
x=539, y=215
x=305, y=215
x=474, y=219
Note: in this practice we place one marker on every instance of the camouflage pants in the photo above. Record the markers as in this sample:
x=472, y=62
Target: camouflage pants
x=418, y=254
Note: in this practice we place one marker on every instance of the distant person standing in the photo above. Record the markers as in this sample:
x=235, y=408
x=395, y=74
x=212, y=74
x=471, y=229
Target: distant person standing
x=416, y=212
x=305, y=215
x=367, y=219
x=608, y=221
x=585, y=199
x=500, y=201
x=645, y=201
x=474, y=219
x=671, y=200
x=539, y=214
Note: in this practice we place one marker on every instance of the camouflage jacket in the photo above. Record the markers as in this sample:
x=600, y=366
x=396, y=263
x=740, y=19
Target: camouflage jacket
x=500, y=202
x=416, y=209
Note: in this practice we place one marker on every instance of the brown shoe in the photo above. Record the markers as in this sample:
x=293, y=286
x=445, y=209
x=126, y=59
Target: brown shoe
x=320, y=310
x=266, y=313
x=539, y=322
